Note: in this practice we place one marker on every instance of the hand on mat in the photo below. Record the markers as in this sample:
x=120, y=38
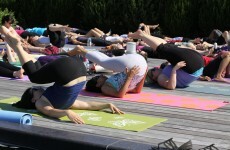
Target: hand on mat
x=132, y=72
x=179, y=65
x=74, y=117
x=114, y=109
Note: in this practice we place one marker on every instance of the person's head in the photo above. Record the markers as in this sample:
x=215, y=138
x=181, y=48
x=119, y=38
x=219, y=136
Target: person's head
x=153, y=74
x=95, y=83
x=117, y=46
x=29, y=97
x=7, y=20
x=118, y=52
x=31, y=39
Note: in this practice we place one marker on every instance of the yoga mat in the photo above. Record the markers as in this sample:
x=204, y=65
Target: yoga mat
x=227, y=79
x=16, y=117
x=212, y=89
x=25, y=78
x=166, y=99
x=202, y=88
x=129, y=122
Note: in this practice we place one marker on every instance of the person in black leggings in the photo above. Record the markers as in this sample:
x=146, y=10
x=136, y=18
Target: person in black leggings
x=10, y=71
x=186, y=64
x=69, y=77
x=218, y=68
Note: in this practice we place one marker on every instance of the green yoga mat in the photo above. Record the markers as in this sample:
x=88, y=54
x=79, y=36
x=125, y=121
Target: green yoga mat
x=129, y=122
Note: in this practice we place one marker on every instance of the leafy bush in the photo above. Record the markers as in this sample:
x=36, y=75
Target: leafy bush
x=7, y=12
x=176, y=18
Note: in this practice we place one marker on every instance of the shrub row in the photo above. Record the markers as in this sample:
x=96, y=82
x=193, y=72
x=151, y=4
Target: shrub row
x=176, y=17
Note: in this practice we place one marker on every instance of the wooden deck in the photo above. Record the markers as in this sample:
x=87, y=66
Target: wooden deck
x=202, y=127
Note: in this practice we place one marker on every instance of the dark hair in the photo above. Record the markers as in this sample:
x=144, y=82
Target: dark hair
x=7, y=18
x=91, y=85
x=163, y=65
x=5, y=58
x=118, y=52
x=30, y=40
x=26, y=100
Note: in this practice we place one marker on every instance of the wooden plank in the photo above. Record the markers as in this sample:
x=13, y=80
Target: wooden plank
x=202, y=127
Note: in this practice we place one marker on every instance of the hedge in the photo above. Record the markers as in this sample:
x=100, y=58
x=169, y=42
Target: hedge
x=176, y=17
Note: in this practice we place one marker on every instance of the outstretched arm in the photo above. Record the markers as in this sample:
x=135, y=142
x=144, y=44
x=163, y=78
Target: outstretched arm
x=46, y=108
x=81, y=105
x=10, y=54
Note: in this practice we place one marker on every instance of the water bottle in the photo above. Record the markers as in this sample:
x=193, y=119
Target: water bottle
x=86, y=63
x=215, y=46
x=89, y=42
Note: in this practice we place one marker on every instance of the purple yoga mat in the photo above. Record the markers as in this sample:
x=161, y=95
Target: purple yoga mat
x=25, y=78
x=227, y=79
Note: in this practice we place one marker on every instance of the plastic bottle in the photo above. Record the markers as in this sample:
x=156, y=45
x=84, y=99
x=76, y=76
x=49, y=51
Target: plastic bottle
x=215, y=46
x=89, y=42
x=86, y=63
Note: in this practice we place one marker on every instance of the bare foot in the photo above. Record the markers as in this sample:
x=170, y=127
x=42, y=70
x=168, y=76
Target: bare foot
x=109, y=33
x=136, y=35
x=10, y=38
x=18, y=74
x=226, y=37
x=220, y=79
x=153, y=26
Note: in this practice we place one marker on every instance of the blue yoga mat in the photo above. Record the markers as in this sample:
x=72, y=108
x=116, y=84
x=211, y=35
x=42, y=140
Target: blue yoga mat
x=202, y=88
x=16, y=117
x=212, y=89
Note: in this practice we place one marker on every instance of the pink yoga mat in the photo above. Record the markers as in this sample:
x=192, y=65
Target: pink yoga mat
x=25, y=78
x=165, y=99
